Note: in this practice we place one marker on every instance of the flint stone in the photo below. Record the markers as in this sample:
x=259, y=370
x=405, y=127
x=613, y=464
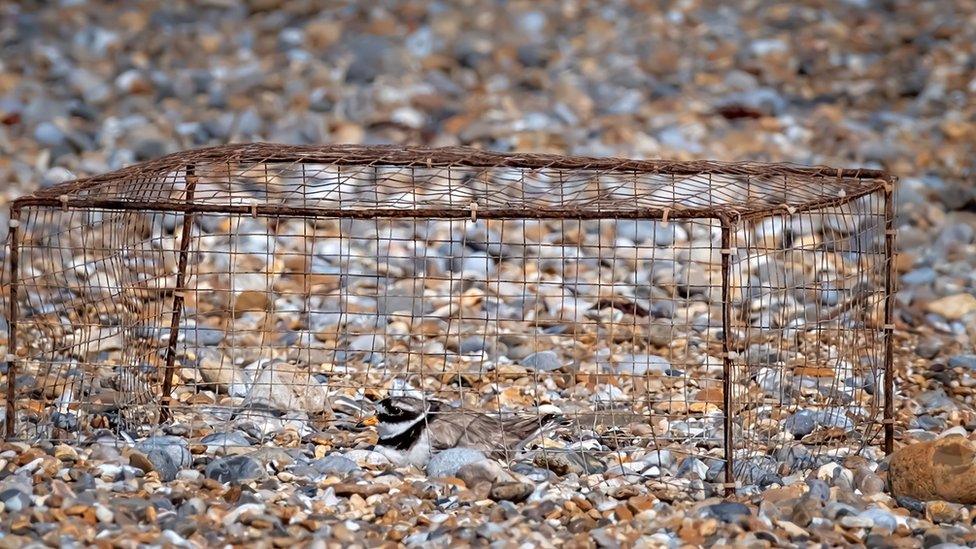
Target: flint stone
x=642, y=364
x=235, y=469
x=448, y=462
x=335, y=465
x=485, y=470
x=511, y=491
x=727, y=511
x=543, y=361
x=963, y=361
x=231, y=438
x=175, y=448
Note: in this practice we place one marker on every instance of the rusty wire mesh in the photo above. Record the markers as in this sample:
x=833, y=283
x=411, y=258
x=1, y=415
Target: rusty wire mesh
x=736, y=312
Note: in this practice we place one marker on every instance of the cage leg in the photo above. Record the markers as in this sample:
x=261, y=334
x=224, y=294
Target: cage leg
x=728, y=439
x=165, y=413
x=889, y=384
x=11, y=410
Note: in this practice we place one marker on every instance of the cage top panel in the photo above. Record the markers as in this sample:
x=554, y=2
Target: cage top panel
x=367, y=181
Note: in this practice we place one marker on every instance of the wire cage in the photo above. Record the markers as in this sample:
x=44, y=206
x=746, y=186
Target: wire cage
x=735, y=313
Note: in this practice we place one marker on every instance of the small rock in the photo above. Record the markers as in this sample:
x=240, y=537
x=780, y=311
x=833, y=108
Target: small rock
x=163, y=464
x=691, y=467
x=660, y=458
x=943, y=511
x=335, y=465
x=727, y=511
x=141, y=461
x=235, y=469
x=953, y=307
x=855, y=521
x=65, y=453
x=801, y=423
x=870, y=484
x=49, y=135
x=511, y=491
x=448, y=462
x=485, y=470
x=104, y=514
x=176, y=448
x=346, y=489
x=232, y=439
x=963, y=361
x=543, y=361
x=14, y=500
x=928, y=348
x=882, y=521
x=640, y=365
x=367, y=458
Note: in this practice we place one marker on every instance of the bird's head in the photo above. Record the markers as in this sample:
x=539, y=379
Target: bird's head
x=398, y=410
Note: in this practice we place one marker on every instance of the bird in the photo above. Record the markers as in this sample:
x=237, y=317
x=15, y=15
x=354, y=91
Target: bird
x=412, y=429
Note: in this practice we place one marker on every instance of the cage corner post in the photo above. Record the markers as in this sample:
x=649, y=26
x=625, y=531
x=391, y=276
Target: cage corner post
x=889, y=281
x=12, y=313
x=178, y=297
x=728, y=440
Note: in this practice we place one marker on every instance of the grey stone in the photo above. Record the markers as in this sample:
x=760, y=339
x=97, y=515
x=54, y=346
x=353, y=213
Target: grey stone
x=917, y=277
x=66, y=421
x=48, y=134
x=511, y=491
x=834, y=417
x=836, y=509
x=659, y=458
x=692, y=467
x=162, y=463
x=484, y=470
x=15, y=500
x=533, y=473
x=235, y=469
x=801, y=423
x=448, y=462
x=963, y=361
x=880, y=519
x=565, y=463
x=642, y=364
x=229, y=439
x=472, y=344
x=208, y=337
x=542, y=361
x=335, y=465
x=175, y=447
x=727, y=511
x=928, y=348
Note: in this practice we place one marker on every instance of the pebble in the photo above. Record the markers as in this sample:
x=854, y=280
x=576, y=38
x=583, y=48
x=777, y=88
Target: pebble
x=235, y=469
x=446, y=463
x=953, y=307
x=543, y=361
x=511, y=491
x=963, y=361
x=335, y=465
x=728, y=511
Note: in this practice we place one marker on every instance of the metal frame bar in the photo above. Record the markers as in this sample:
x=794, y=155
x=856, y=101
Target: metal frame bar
x=14, y=257
x=277, y=210
x=889, y=382
x=727, y=366
x=178, y=298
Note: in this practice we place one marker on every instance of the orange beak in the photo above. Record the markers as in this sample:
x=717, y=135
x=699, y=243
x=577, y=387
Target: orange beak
x=370, y=421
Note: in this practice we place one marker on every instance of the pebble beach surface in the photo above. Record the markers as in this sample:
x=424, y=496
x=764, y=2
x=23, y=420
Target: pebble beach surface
x=87, y=87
